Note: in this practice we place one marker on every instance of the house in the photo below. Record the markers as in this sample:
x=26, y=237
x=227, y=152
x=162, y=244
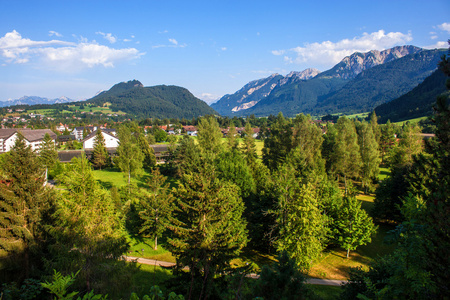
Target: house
x=190, y=130
x=111, y=142
x=33, y=138
x=161, y=153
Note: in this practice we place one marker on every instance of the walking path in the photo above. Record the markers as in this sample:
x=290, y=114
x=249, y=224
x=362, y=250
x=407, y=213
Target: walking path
x=154, y=262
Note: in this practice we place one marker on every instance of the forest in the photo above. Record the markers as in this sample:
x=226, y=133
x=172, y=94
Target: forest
x=216, y=197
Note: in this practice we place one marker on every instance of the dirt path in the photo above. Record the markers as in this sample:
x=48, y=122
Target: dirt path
x=166, y=264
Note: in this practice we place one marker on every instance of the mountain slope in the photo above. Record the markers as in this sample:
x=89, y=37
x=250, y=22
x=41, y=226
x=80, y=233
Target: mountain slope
x=381, y=83
x=360, y=82
x=416, y=103
x=157, y=102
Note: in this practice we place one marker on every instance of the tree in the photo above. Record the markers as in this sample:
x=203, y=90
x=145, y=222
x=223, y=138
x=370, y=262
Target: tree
x=370, y=155
x=410, y=144
x=207, y=226
x=248, y=146
x=301, y=225
x=232, y=138
x=156, y=207
x=129, y=159
x=346, y=157
x=24, y=207
x=148, y=152
x=100, y=155
x=88, y=230
x=353, y=227
x=282, y=280
x=48, y=154
x=278, y=143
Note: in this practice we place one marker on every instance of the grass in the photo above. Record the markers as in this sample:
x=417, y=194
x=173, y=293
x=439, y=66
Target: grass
x=326, y=292
x=384, y=172
x=148, y=276
x=333, y=263
x=138, y=244
x=113, y=177
x=413, y=121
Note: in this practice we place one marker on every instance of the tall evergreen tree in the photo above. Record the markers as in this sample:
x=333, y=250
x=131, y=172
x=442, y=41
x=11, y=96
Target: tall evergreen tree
x=148, y=152
x=248, y=145
x=100, y=156
x=24, y=205
x=278, y=143
x=156, y=207
x=48, y=154
x=88, y=230
x=301, y=225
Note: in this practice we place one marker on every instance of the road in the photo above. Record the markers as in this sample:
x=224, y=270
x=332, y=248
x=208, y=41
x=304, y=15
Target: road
x=166, y=264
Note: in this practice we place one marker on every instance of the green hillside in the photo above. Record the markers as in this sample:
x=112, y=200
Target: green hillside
x=416, y=103
x=156, y=102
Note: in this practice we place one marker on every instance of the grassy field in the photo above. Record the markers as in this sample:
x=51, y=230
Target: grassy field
x=413, y=121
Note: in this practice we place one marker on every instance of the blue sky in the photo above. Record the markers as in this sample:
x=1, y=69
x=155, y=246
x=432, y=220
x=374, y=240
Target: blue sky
x=78, y=48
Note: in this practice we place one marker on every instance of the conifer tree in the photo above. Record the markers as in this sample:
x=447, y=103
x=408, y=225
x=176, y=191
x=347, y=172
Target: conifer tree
x=278, y=143
x=88, y=230
x=148, y=152
x=48, y=154
x=248, y=146
x=100, y=155
x=156, y=207
x=24, y=203
x=232, y=138
x=301, y=225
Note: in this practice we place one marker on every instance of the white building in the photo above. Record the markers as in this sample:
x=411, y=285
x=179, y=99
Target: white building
x=110, y=141
x=33, y=138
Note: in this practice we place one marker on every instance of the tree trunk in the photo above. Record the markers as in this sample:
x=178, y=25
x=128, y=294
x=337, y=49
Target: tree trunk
x=156, y=243
x=348, y=252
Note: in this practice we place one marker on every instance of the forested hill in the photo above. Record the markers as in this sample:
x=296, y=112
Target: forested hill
x=416, y=103
x=155, y=102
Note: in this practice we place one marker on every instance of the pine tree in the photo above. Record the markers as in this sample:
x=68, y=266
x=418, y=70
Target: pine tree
x=301, y=225
x=156, y=208
x=207, y=227
x=100, y=155
x=278, y=143
x=88, y=230
x=248, y=146
x=24, y=203
x=232, y=138
x=48, y=154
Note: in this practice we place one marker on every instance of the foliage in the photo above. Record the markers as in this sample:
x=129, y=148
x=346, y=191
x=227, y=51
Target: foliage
x=370, y=155
x=88, y=230
x=30, y=289
x=156, y=207
x=148, y=152
x=353, y=227
x=283, y=280
x=278, y=143
x=100, y=155
x=24, y=208
x=48, y=154
x=130, y=157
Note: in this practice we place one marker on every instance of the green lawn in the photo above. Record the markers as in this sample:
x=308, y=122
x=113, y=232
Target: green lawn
x=384, y=172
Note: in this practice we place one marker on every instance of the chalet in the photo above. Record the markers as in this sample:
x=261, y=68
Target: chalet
x=190, y=130
x=78, y=131
x=111, y=142
x=33, y=138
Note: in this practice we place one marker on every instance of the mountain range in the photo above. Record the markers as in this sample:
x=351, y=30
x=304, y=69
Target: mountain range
x=359, y=83
x=33, y=100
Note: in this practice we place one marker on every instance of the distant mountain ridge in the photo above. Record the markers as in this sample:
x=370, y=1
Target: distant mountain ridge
x=33, y=100
x=358, y=83
x=152, y=102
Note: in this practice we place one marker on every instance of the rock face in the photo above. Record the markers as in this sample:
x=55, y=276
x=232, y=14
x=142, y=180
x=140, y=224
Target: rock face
x=260, y=92
x=354, y=64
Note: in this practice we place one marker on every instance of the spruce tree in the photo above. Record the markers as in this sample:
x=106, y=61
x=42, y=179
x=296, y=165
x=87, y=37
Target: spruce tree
x=24, y=203
x=130, y=157
x=100, y=156
x=48, y=154
x=148, y=152
x=156, y=207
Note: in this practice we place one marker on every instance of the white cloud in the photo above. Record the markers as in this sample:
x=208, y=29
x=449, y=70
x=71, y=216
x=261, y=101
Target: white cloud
x=444, y=27
x=209, y=98
x=173, y=44
x=437, y=45
x=61, y=55
x=173, y=41
x=108, y=36
x=223, y=48
x=328, y=53
x=54, y=33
